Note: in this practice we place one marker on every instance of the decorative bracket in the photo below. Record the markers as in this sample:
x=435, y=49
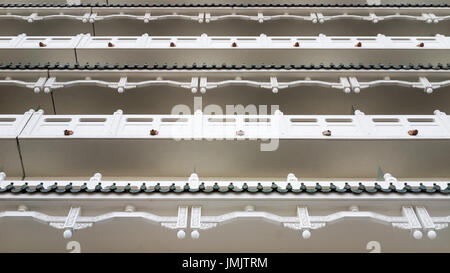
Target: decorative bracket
x=181, y=222
x=197, y=222
x=428, y=224
x=70, y=223
x=421, y=222
x=410, y=222
x=37, y=86
x=306, y=223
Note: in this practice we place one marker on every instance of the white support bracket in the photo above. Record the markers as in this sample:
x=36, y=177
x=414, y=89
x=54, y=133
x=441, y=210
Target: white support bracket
x=122, y=84
x=39, y=84
x=49, y=84
x=260, y=17
x=274, y=84
x=207, y=17
x=70, y=223
x=427, y=223
x=412, y=222
x=147, y=17
x=345, y=84
x=203, y=84
x=304, y=221
x=86, y=18
x=320, y=17
x=355, y=84
x=197, y=223
x=427, y=87
x=433, y=18
x=374, y=18
x=181, y=222
x=32, y=17
x=194, y=85
x=201, y=17
x=426, y=17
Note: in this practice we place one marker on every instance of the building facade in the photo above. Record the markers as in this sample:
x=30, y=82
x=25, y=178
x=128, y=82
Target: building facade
x=238, y=126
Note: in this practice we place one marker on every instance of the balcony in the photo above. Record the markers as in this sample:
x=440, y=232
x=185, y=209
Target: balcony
x=234, y=146
x=224, y=49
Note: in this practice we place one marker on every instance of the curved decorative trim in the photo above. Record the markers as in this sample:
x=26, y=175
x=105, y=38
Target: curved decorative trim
x=203, y=78
x=346, y=84
x=73, y=221
x=417, y=223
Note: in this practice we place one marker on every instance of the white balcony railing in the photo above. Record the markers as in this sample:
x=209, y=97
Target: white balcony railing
x=202, y=126
x=233, y=49
x=243, y=145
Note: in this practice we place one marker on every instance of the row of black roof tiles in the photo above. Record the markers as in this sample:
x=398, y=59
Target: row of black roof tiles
x=241, y=5
x=55, y=188
x=194, y=66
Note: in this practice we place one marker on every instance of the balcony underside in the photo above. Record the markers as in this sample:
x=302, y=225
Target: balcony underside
x=229, y=146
